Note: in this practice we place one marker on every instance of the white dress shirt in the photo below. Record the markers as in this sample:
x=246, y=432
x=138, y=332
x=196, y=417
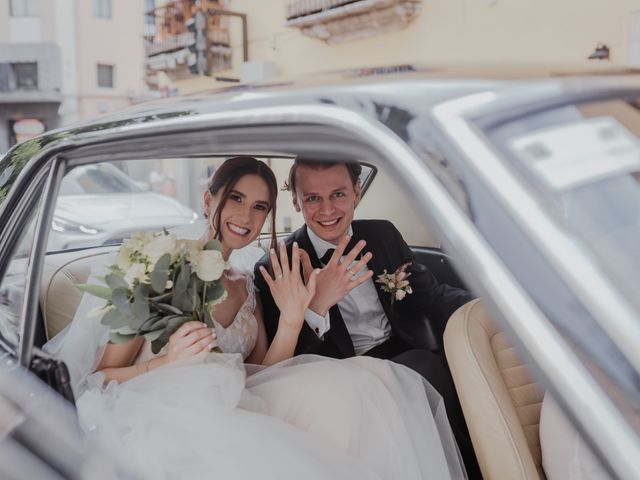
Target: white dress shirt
x=361, y=309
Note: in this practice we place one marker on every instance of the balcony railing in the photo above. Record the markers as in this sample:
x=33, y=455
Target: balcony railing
x=340, y=20
x=301, y=8
x=166, y=28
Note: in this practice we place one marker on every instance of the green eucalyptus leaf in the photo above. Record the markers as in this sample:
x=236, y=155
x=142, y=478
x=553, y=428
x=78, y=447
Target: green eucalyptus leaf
x=120, y=300
x=160, y=342
x=115, y=281
x=146, y=326
x=166, y=308
x=180, y=287
x=160, y=323
x=113, y=319
x=160, y=273
x=153, y=336
x=215, y=291
x=120, y=338
x=140, y=305
x=96, y=290
x=161, y=298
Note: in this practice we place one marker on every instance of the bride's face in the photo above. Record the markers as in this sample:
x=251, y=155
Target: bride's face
x=243, y=213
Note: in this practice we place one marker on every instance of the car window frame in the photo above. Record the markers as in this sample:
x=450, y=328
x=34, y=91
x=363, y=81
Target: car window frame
x=354, y=136
x=462, y=122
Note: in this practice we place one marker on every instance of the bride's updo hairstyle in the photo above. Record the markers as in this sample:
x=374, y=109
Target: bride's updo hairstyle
x=229, y=173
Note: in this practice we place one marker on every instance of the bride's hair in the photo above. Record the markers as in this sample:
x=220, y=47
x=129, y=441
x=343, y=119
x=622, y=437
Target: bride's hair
x=226, y=177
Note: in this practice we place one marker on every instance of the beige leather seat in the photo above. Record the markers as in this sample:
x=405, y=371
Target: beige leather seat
x=499, y=397
x=59, y=298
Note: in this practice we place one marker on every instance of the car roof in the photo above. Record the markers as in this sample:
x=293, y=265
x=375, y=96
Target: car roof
x=433, y=84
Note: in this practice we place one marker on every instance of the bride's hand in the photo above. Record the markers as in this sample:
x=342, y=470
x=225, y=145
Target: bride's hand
x=190, y=339
x=287, y=286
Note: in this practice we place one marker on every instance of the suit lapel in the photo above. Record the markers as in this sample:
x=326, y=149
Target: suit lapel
x=338, y=333
x=376, y=246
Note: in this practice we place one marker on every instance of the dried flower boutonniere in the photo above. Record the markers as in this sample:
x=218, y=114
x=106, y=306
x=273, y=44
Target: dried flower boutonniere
x=396, y=283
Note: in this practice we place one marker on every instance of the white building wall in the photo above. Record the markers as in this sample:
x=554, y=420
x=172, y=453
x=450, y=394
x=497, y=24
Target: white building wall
x=563, y=32
x=117, y=41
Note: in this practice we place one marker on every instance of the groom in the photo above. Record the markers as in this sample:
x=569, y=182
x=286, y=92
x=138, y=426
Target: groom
x=351, y=314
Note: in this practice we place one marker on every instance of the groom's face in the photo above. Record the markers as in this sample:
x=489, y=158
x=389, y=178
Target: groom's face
x=327, y=199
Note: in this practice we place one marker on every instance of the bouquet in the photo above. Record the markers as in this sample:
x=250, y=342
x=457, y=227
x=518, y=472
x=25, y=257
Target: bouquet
x=158, y=283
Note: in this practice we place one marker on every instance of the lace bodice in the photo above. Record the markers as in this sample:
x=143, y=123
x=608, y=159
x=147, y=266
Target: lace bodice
x=239, y=337
x=242, y=334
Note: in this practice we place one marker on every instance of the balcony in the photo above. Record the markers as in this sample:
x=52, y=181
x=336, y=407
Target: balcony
x=336, y=21
x=170, y=42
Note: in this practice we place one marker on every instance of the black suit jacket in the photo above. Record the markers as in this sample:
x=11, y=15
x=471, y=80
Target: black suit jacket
x=435, y=300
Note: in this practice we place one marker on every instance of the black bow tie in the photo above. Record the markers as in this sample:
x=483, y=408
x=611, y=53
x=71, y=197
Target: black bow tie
x=329, y=253
x=327, y=256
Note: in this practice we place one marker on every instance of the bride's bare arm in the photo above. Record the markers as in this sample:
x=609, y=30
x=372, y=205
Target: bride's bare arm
x=292, y=297
x=117, y=364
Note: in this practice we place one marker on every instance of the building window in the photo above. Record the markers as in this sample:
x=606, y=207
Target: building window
x=25, y=76
x=24, y=8
x=105, y=76
x=102, y=8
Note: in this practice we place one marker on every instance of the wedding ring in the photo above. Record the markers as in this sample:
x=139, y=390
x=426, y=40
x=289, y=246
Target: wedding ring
x=351, y=272
x=278, y=276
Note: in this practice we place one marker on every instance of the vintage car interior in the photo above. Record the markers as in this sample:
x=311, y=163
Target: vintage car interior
x=480, y=356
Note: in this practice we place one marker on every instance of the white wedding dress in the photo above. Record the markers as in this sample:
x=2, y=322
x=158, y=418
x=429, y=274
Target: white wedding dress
x=309, y=417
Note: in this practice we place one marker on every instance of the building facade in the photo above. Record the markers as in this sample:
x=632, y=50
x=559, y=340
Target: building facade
x=66, y=60
x=292, y=37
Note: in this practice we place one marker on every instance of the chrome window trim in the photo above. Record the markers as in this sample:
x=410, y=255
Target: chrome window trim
x=609, y=309
x=30, y=306
x=605, y=426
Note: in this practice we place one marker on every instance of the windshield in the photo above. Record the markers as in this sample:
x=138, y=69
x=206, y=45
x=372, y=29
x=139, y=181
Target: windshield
x=583, y=164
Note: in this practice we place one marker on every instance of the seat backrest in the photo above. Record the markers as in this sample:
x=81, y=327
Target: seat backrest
x=59, y=298
x=499, y=397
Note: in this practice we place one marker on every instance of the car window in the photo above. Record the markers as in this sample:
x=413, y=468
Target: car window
x=583, y=164
x=99, y=179
x=104, y=203
x=12, y=286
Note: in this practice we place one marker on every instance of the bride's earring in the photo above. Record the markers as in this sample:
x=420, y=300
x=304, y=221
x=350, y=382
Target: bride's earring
x=259, y=242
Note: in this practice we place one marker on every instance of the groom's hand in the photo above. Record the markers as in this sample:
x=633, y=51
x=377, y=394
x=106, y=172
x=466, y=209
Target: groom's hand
x=337, y=279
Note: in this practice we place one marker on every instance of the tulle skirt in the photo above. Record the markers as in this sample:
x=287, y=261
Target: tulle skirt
x=309, y=417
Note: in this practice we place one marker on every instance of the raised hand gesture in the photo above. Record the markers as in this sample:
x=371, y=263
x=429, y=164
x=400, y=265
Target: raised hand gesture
x=338, y=278
x=288, y=288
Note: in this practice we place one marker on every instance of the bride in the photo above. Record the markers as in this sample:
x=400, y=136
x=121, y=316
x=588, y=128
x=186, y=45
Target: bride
x=190, y=413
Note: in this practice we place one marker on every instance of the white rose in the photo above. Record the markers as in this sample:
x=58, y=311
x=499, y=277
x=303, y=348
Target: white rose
x=138, y=272
x=158, y=247
x=400, y=294
x=209, y=265
x=123, y=259
x=138, y=240
x=191, y=249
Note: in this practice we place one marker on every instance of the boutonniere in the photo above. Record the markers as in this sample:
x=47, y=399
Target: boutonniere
x=396, y=283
